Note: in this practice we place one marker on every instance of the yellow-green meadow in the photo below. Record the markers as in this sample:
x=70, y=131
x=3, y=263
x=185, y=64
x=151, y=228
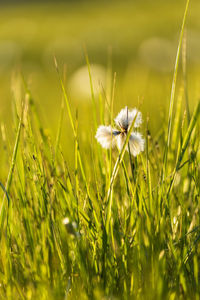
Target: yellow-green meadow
x=99, y=150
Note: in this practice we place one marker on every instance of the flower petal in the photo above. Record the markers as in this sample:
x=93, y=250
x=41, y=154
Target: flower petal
x=106, y=136
x=121, y=140
x=125, y=118
x=136, y=143
x=131, y=116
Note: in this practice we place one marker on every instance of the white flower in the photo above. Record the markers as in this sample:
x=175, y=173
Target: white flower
x=109, y=137
x=136, y=143
x=125, y=118
x=104, y=136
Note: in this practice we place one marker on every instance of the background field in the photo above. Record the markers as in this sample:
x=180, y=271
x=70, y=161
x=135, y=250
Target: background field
x=141, y=241
x=138, y=38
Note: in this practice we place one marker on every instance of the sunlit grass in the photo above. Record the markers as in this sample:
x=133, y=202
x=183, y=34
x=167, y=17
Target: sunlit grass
x=78, y=221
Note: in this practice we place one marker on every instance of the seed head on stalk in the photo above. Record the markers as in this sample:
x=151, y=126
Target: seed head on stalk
x=111, y=137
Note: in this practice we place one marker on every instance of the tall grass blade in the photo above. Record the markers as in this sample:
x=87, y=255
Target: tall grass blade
x=185, y=143
x=92, y=89
x=165, y=159
x=10, y=175
x=184, y=65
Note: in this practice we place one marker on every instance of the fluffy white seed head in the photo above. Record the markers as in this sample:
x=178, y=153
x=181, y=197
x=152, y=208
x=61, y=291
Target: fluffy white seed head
x=125, y=118
x=136, y=143
x=121, y=138
x=105, y=137
x=109, y=137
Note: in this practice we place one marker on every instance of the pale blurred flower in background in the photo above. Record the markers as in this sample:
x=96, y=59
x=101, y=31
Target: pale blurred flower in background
x=80, y=82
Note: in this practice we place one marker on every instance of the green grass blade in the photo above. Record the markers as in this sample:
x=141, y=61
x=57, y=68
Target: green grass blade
x=184, y=64
x=92, y=89
x=10, y=175
x=171, y=105
x=186, y=139
x=59, y=128
x=185, y=143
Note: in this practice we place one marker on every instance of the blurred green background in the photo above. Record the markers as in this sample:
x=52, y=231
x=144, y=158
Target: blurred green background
x=136, y=39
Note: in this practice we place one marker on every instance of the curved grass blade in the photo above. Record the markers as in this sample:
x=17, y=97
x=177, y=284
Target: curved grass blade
x=184, y=146
x=4, y=189
x=91, y=88
x=165, y=159
x=10, y=175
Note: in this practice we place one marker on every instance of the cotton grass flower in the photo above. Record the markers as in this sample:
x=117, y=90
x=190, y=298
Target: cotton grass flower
x=111, y=137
